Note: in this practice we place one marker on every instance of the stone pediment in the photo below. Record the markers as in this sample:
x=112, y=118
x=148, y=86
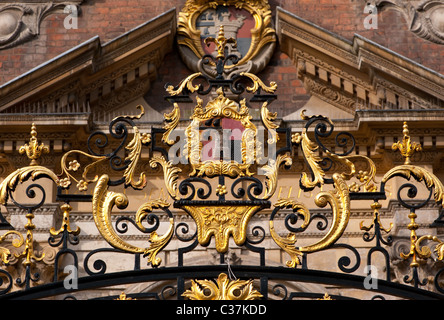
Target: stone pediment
x=92, y=79
x=346, y=79
x=359, y=77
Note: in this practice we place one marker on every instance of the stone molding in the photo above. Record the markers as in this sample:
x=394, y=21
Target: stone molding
x=357, y=75
x=21, y=19
x=91, y=74
x=423, y=18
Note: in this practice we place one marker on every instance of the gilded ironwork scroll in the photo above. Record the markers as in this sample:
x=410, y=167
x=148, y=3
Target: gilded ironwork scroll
x=219, y=170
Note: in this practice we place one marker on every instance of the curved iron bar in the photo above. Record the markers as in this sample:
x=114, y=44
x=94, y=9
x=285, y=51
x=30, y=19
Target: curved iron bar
x=436, y=281
x=101, y=266
x=28, y=278
x=277, y=290
x=412, y=193
x=345, y=261
x=324, y=129
x=31, y=194
x=188, y=184
x=118, y=130
x=414, y=278
x=386, y=257
x=64, y=240
x=152, y=219
x=247, y=272
x=64, y=251
x=257, y=231
x=367, y=237
x=250, y=244
x=183, y=250
x=10, y=282
x=184, y=230
x=321, y=225
x=257, y=188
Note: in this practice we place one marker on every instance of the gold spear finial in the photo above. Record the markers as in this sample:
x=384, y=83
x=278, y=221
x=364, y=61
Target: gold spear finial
x=406, y=147
x=220, y=42
x=32, y=149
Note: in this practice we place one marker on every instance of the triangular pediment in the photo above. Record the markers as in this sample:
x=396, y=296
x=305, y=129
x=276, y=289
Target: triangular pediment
x=91, y=79
x=355, y=79
x=315, y=106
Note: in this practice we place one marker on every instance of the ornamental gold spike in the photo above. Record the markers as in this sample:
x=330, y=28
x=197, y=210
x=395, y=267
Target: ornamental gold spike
x=220, y=42
x=406, y=147
x=32, y=149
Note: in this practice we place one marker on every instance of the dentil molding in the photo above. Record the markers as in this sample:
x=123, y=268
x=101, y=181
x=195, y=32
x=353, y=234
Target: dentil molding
x=20, y=20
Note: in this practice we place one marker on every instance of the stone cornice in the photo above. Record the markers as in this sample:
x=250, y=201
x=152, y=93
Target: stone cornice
x=89, y=68
x=359, y=70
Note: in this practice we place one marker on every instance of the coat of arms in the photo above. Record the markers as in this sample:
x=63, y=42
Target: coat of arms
x=247, y=22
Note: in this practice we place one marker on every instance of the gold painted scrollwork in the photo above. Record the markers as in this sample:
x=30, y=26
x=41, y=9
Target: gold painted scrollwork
x=170, y=174
x=271, y=174
x=21, y=175
x=186, y=83
x=267, y=119
x=222, y=289
x=221, y=107
x=420, y=174
x=258, y=83
x=172, y=120
x=339, y=200
x=287, y=244
x=104, y=201
x=310, y=150
x=5, y=253
x=134, y=149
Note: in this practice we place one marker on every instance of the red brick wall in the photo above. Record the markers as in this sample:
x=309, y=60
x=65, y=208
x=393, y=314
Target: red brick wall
x=105, y=18
x=346, y=18
x=110, y=18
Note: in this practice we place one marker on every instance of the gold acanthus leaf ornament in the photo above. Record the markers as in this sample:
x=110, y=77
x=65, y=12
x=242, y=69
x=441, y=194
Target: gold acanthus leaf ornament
x=258, y=83
x=268, y=121
x=5, y=253
x=287, y=244
x=420, y=174
x=135, y=149
x=103, y=203
x=170, y=174
x=222, y=222
x=310, y=150
x=271, y=174
x=186, y=83
x=339, y=201
x=21, y=175
x=172, y=120
x=222, y=289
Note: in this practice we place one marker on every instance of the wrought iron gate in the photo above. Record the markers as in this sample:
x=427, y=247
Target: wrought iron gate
x=214, y=206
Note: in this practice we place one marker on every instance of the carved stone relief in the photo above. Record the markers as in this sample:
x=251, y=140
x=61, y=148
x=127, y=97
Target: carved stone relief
x=20, y=20
x=425, y=18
